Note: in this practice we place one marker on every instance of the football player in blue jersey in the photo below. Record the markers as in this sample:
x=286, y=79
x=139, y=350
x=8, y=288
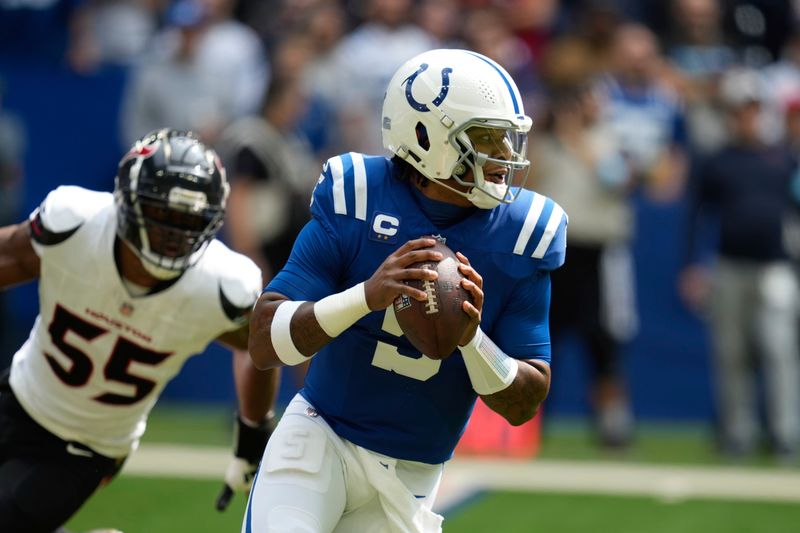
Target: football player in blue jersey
x=362, y=446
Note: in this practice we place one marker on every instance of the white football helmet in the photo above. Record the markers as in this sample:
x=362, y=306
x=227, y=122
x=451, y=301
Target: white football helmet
x=447, y=111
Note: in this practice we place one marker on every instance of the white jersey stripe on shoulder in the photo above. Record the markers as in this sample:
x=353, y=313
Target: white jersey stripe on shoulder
x=337, y=172
x=549, y=231
x=360, y=176
x=531, y=218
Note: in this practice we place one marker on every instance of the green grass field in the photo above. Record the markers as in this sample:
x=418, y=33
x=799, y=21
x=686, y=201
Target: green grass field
x=564, y=439
x=514, y=512
x=156, y=505
x=138, y=505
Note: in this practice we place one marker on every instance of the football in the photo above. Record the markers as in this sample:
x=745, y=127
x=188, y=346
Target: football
x=435, y=326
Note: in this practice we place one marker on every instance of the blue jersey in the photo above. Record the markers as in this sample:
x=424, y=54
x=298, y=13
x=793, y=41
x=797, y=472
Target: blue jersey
x=370, y=384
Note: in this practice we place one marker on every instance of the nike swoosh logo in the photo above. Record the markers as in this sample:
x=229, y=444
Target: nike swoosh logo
x=74, y=450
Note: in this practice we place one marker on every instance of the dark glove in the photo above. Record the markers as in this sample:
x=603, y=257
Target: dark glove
x=248, y=447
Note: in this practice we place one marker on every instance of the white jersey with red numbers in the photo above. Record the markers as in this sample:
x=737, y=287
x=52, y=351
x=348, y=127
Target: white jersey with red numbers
x=98, y=358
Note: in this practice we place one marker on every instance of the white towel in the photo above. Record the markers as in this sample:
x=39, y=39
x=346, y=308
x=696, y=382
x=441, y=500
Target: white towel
x=406, y=513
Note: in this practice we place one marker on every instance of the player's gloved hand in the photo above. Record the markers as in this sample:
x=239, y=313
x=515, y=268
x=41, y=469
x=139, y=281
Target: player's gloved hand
x=249, y=442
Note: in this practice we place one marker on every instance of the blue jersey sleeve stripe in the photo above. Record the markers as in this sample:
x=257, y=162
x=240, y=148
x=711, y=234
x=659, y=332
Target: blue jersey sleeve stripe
x=549, y=231
x=347, y=177
x=319, y=180
x=534, y=211
x=337, y=173
x=360, y=182
x=541, y=223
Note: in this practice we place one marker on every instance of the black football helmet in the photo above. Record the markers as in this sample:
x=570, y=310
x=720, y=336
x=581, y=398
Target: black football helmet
x=170, y=194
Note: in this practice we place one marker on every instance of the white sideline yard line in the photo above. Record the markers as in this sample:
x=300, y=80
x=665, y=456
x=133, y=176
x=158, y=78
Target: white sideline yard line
x=669, y=483
x=466, y=476
x=181, y=461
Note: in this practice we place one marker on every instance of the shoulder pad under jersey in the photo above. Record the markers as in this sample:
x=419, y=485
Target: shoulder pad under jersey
x=540, y=230
x=239, y=280
x=343, y=186
x=64, y=211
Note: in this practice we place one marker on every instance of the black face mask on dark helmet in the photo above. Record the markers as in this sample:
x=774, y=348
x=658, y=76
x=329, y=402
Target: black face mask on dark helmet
x=170, y=194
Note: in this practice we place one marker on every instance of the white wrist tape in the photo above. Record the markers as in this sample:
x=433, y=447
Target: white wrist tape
x=490, y=370
x=337, y=312
x=281, y=334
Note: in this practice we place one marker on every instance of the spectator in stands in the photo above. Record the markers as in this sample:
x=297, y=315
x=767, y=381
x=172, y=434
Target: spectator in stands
x=586, y=49
x=171, y=88
x=204, y=71
x=115, y=32
x=272, y=172
x=232, y=52
x=488, y=32
x=759, y=29
x=752, y=289
x=791, y=113
x=442, y=19
x=645, y=113
x=534, y=22
x=366, y=59
x=782, y=82
x=595, y=23
x=696, y=43
x=696, y=46
x=580, y=165
x=324, y=30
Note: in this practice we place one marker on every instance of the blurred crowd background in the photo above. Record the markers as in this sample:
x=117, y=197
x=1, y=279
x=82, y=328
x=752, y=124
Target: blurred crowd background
x=669, y=130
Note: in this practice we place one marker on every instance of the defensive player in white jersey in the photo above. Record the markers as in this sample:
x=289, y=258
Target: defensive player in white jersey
x=362, y=447
x=130, y=286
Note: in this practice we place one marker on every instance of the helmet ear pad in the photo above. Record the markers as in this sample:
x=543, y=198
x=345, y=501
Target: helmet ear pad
x=422, y=136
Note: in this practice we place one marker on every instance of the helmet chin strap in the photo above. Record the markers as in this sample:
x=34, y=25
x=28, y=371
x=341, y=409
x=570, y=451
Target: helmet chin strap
x=160, y=273
x=150, y=265
x=478, y=195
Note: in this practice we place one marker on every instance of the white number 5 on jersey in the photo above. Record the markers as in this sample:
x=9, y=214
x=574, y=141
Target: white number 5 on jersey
x=388, y=358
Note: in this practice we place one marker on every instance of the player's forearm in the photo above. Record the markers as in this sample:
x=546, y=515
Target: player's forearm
x=256, y=389
x=18, y=261
x=511, y=387
x=306, y=334
x=291, y=332
x=519, y=402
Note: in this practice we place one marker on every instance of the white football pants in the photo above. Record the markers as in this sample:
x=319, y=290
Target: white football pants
x=313, y=481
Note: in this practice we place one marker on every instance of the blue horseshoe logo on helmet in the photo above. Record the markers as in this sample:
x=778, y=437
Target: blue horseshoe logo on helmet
x=408, y=82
